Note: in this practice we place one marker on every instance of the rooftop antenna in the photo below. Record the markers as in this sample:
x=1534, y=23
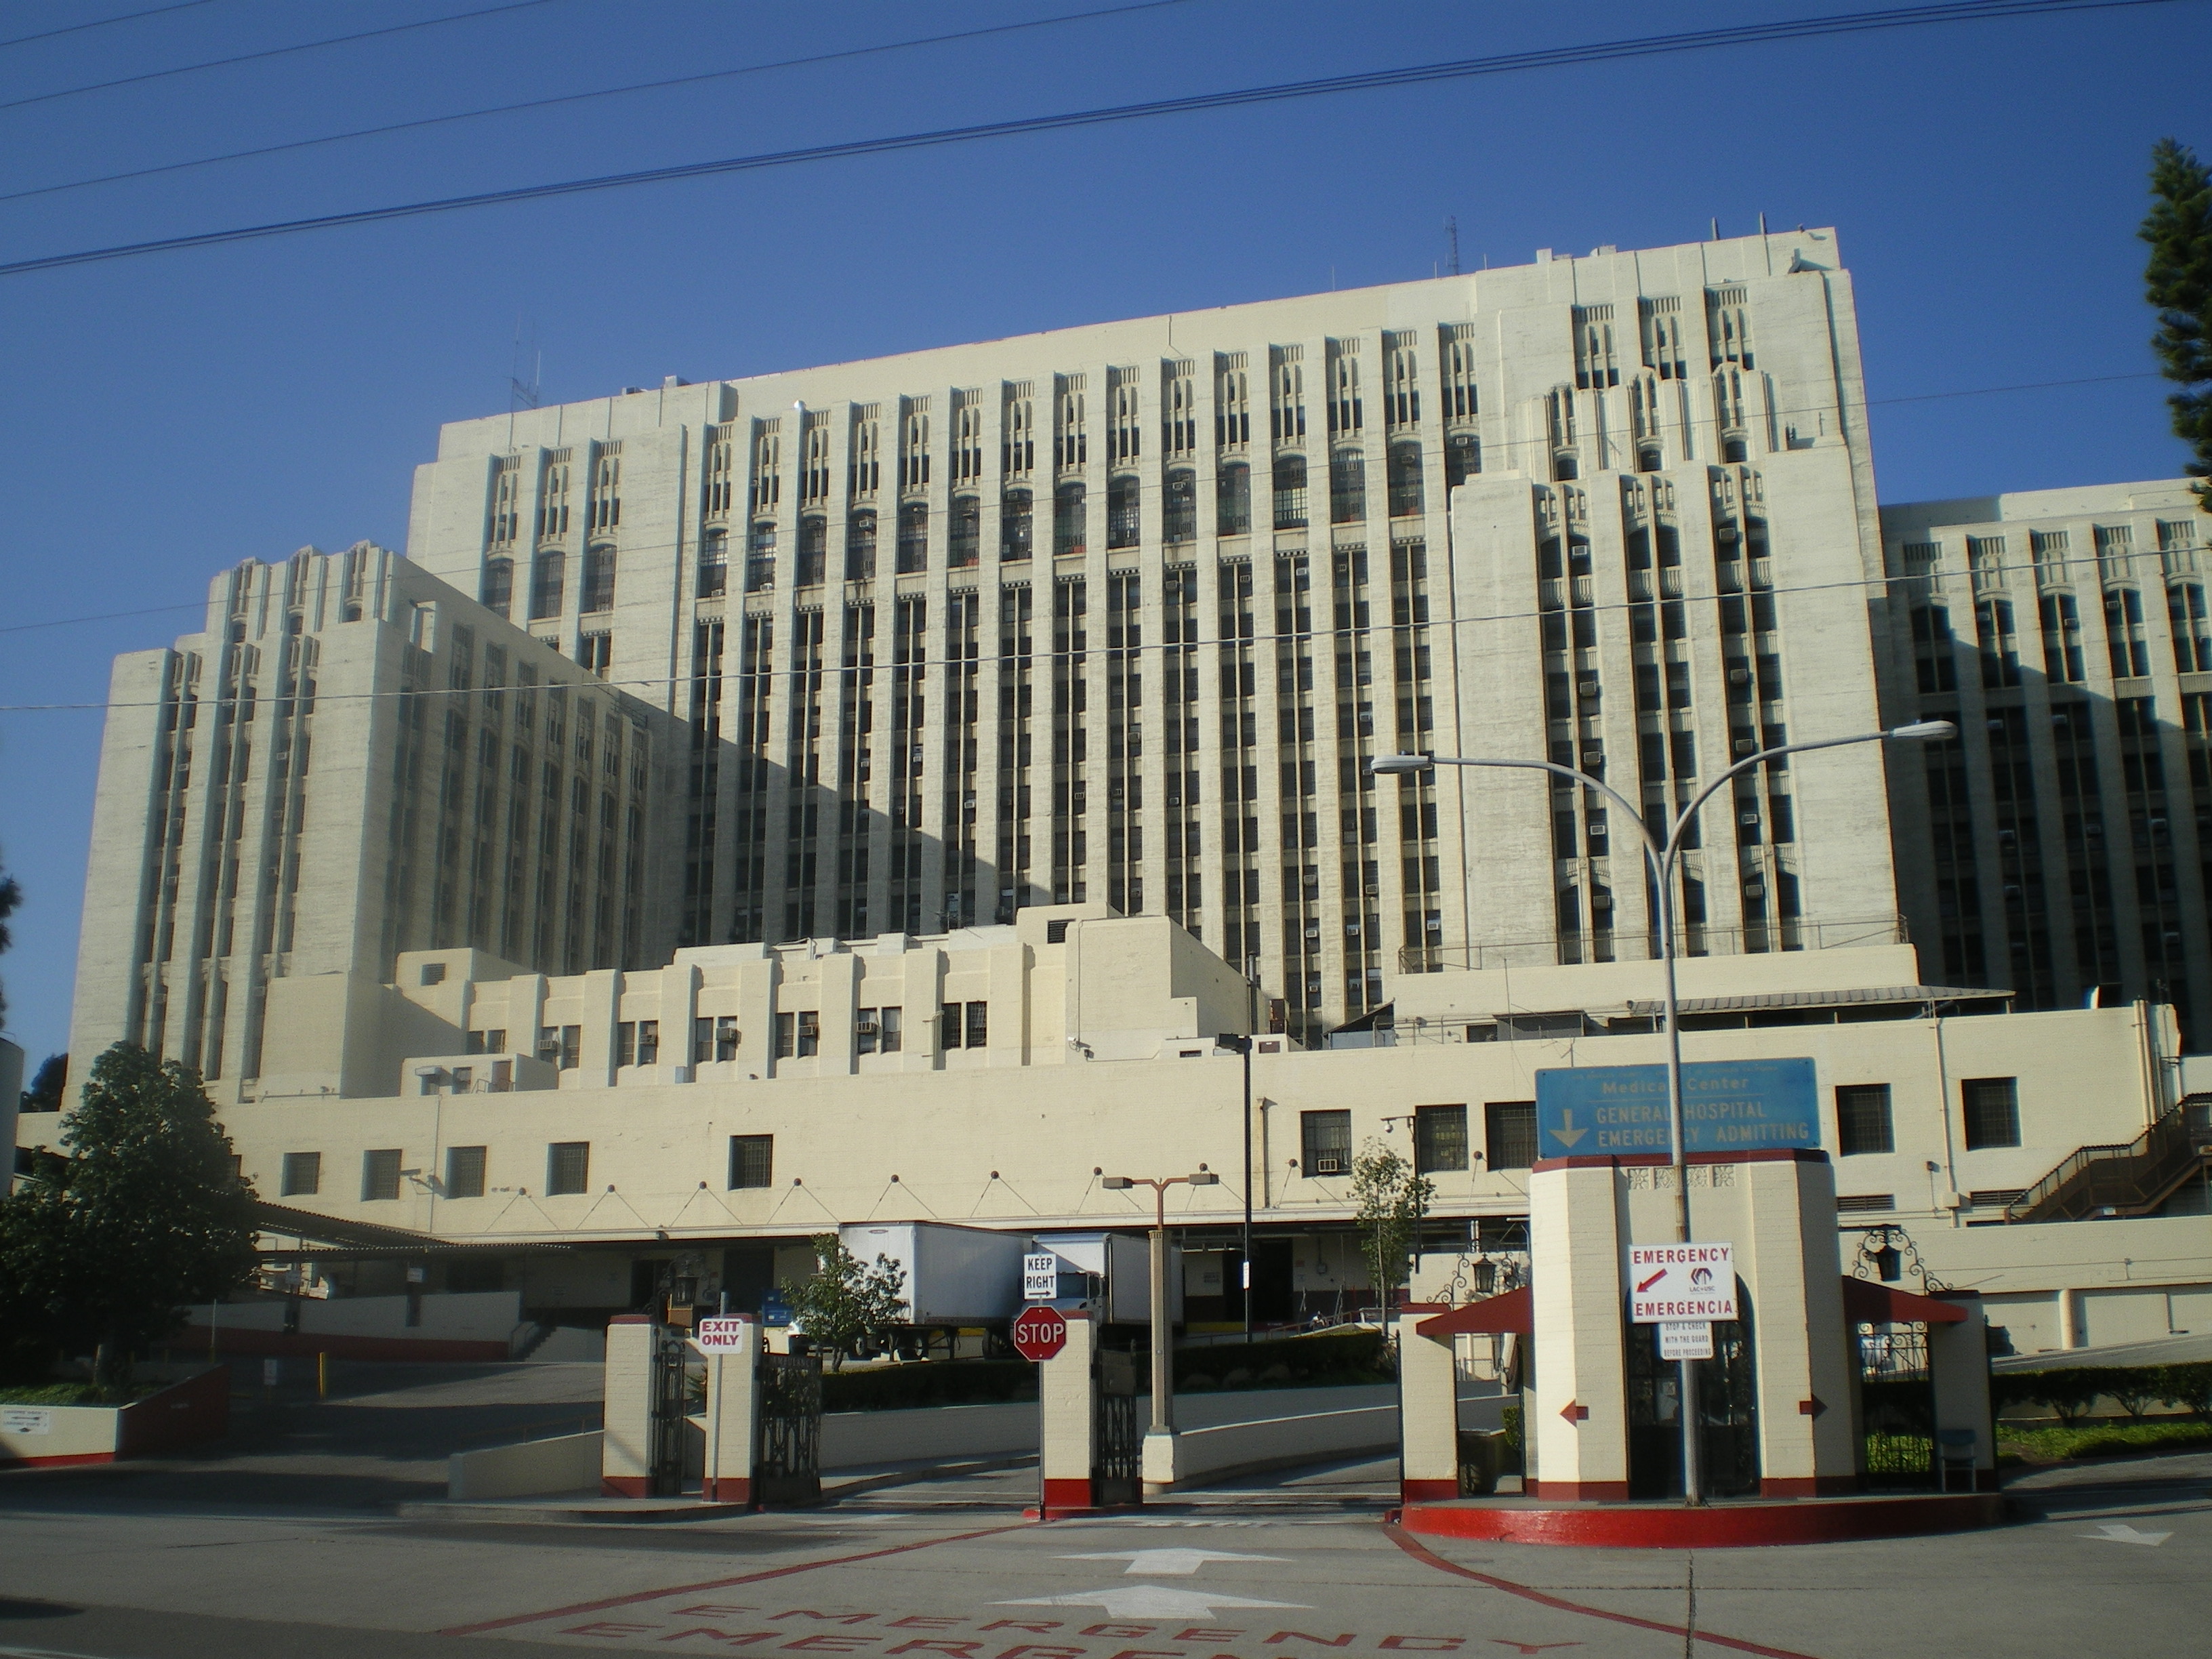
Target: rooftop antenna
x=1762, y=224
x=522, y=395
x=1716, y=230
x=1451, y=229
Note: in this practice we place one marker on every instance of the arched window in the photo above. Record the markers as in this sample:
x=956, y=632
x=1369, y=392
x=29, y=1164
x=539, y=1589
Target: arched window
x=813, y=550
x=498, y=588
x=1232, y=500
x=714, y=564
x=1347, y=487
x=1068, y=517
x=860, y=546
x=599, y=578
x=1122, y=527
x=965, y=539
x=760, y=558
x=1179, y=506
x=1462, y=459
x=1406, y=496
x=548, y=577
x=913, y=553
x=1290, y=492
x=1015, y=526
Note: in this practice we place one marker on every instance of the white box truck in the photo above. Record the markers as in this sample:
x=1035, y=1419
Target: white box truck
x=954, y=1275
x=1114, y=1272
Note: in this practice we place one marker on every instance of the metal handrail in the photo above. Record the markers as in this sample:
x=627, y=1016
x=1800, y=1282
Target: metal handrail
x=1640, y=944
x=2122, y=1175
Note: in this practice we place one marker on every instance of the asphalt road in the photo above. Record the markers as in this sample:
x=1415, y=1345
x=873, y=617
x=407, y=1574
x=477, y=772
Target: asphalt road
x=280, y=1549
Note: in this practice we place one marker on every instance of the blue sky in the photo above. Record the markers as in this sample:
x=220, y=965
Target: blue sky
x=167, y=417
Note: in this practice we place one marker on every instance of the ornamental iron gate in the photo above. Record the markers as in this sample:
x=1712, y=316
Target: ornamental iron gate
x=1728, y=1421
x=1117, y=1450
x=1897, y=1408
x=788, y=1444
x=669, y=1421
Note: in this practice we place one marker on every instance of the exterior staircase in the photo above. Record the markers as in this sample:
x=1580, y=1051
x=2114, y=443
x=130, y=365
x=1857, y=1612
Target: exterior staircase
x=2129, y=1179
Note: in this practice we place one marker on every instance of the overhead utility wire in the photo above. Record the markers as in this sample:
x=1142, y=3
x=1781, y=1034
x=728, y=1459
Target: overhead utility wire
x=1872, y=403
x=103, y=22
x=586, y=97
x=274, y=51
x=1417, y=74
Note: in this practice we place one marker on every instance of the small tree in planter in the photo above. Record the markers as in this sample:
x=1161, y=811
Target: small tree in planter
x=1391, y=1201
x=144, y=1215
x=846, y=1307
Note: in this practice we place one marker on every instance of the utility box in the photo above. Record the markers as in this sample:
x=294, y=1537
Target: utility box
x=1113, y=1272
x=954, y=1275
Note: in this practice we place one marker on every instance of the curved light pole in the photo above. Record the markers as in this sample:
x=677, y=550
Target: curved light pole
x=1660, y=859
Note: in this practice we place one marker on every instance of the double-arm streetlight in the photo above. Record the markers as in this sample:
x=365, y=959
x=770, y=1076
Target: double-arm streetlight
x=1162, y=1328
x=1661, y=858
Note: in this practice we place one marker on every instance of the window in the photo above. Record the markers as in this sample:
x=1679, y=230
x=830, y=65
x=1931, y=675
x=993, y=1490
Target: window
x=861, y=547
x=966, y=532
x=1325, y=1142
x=714, y=1037
x=752, y=1161
x=1179, y=506
x=1509, y=1134
x=1068, y=534
x=1862, y=1122
x=1406, y=494
x=1462, y=459
x=785, y=1035
x=913, y=553
x=568, y=1166
x=465, y=1171
x=561, y=1046
x=1347, y=487
x=1123, y=497
x=547, y=577
x=1015, y=532
x=1291, y=492
x=598, y=579
x=965, y=1024
x=809, y=1034
x=1440, y=1138
x=1992, y=1111
x=714, y=564
x=498, y=587
x=1232, y=500
x=493, y=1042
x=637, y=1042
x=596, y=653
x=379, y=1175
x=303, y=1174
x=877, y=1030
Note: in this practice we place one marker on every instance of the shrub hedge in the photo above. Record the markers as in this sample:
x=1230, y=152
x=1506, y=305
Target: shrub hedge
x=936, y=1382
x=2072, y=1390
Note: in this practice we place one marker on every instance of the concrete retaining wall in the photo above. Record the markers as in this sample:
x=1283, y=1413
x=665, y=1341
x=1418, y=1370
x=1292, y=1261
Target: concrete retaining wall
x=473, y=1325
x=194, y=1410
x=862, y=1439
x=568, y=1462
x=1283, y=1441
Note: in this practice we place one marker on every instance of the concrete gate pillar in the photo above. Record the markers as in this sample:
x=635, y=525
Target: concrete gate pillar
x=732, y=1419
x=626, y=1442
x=1069, y=1408
x=1578, y=1411
x=1781, y=1218
x=1958, y=1363
x=1428, y=1411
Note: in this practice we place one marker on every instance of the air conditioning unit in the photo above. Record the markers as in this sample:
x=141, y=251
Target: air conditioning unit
x=1328, y=1166
x=865, y=1027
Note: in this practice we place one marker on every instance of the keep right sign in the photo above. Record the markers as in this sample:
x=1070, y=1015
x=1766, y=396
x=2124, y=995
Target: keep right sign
x=1669, y=1282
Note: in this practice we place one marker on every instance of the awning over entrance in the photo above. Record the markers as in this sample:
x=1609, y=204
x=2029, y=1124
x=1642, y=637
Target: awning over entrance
x=1866, y=1302
x=1512, y=1314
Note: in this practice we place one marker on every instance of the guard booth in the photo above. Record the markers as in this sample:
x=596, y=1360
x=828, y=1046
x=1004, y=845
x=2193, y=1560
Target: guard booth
x=714, y=1414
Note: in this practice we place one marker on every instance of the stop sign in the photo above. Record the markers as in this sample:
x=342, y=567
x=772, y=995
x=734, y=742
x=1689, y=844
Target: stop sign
x=1039, y=1332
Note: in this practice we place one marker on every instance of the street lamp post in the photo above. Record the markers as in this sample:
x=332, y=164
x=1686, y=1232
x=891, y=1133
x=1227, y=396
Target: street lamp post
x=1660, y=859
x=1162, y=1328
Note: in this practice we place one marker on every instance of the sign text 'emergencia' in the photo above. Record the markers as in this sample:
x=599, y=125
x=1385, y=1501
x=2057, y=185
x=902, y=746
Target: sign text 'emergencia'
x=1671, y=1282
x=1728, y=1106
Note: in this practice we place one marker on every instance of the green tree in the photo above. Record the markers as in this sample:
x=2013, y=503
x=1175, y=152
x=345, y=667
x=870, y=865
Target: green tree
x=103, y=1247
x=1391, y=1199
x=2178, y=283
x=11, y=895
x=845, y=1307
x=45, y=1094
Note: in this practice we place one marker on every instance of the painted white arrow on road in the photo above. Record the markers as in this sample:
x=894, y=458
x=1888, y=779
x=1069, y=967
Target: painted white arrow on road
x=2113, y=1533
x=1178, y=1562
x=1148, y=1600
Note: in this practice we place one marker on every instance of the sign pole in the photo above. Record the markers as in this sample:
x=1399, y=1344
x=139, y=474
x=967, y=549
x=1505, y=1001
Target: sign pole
x=1693, y=1485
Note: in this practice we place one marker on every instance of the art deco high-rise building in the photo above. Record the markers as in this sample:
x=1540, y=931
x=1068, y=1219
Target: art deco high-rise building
x=1122, y=612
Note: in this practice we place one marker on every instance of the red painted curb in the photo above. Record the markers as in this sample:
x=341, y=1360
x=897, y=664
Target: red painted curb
x=1724, y=1526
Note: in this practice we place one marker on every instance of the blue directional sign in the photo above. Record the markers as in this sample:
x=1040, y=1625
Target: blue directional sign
x=1728, y=1106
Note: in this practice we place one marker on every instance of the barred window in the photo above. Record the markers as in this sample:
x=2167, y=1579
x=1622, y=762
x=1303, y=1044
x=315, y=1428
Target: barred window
x=752, y=1161
x=1509, y=1134
x=1324, y=1143
x=379, y=1175
x=568, y=1167
x=1440, y=1138
x=303, y=1174
x=1862, y=1119
x=465, y=1171
x=1992, y=1111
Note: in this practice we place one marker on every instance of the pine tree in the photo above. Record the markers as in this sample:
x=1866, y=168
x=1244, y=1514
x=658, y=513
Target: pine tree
x=2177, y=282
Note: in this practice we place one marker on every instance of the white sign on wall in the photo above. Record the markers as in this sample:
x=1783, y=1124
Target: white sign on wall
x=1680, y=1282
x=1685, y=1339
x=1039, y=1277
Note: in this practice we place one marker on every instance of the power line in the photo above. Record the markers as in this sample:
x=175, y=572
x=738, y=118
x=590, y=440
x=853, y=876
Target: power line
x=586, y=97
x=274, y=51
x=1417, y=74
x=663, y=547
x=103, y=22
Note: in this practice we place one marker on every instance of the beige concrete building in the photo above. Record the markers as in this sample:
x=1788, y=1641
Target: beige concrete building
x=349, y=761
x=2062, y=847
x=942, y=657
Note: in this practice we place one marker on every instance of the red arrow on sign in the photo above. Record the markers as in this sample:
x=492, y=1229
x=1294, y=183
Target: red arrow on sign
x=1039, y=1332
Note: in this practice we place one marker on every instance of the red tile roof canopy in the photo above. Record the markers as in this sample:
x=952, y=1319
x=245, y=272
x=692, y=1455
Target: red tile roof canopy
x=1867, y=1301
x=1512, y=1314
